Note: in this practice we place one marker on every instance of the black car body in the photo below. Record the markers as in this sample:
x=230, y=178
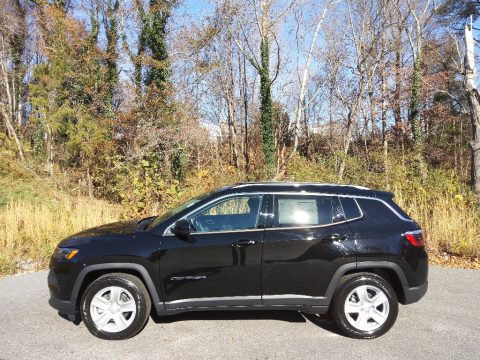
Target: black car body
x=251, y=246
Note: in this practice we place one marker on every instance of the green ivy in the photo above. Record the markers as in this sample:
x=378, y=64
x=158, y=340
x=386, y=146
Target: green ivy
x=160, y=73
x=266, y=119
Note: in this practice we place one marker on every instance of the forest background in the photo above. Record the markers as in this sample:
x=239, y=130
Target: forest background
x=119, y=109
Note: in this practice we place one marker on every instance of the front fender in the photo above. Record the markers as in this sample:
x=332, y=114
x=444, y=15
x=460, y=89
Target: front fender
x=117, y=267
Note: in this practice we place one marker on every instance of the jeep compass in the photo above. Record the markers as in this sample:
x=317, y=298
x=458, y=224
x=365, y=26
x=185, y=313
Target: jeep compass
x=348, y=251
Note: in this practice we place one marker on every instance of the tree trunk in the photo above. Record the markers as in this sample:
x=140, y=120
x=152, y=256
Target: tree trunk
x=383, y=101
x=303, y=85
x=384, y=123
x=414, y=115
x=398, y=83
x=373, y=109
x=266, y=119
x=397, y=107
x=49, y=148
x=229, y=94
x=232, y=131
x=89, y=183
x=266, y=111
x=13, y=134
x=112, y=53
x=353, y=112
x=19, y=70
x=142, y=39
x=346, y=144
x=352, y=115
x=243, y=72
x=7, y=105
x=159, y=74
x=473, y=98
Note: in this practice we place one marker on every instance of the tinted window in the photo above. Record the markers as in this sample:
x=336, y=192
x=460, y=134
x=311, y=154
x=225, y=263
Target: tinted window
x=291, y=210
x=176, y=210
x=337, y=210
x=350, y=208
x=233, y=213
x=377, y=213
x=398, y=209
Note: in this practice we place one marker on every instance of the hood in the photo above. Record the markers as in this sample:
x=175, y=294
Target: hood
x=117, y=228
x=106, y=231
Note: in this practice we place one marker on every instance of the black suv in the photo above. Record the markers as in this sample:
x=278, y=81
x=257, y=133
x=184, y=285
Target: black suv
x=312, y=248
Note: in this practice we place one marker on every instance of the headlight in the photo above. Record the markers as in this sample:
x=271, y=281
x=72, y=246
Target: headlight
x=65, y=253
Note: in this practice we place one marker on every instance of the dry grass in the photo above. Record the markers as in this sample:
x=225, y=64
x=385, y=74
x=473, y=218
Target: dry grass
x=444, y=206
x=450, y=224
x=35, y=215
x=30, y=231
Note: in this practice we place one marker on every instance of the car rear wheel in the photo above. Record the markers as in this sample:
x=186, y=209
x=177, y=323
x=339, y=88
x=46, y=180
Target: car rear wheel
x=115, y=306
x=365, y=306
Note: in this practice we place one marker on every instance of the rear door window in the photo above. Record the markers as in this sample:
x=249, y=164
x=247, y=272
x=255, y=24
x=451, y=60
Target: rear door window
x=303, y=210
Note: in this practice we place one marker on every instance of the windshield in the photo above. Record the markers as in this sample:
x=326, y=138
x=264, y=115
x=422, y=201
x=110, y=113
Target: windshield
x=159, y=219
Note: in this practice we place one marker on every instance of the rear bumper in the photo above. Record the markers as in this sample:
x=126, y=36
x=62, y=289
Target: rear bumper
x=63, y=306
x=413, y=294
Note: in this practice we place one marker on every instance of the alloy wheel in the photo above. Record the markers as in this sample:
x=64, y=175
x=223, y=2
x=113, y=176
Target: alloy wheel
x=366, y=308
x=113, y=309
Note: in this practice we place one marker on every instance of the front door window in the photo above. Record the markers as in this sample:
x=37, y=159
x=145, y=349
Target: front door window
x=231, y=214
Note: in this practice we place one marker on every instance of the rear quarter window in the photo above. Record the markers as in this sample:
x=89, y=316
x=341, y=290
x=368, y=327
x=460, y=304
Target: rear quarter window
x=398, y=209
x=377, y=212
x=350, y=208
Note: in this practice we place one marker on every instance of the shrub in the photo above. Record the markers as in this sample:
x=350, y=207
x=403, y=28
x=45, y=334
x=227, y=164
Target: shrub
x=445, y=208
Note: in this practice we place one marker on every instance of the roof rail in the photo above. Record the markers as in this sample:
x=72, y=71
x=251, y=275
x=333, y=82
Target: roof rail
x=279, y=183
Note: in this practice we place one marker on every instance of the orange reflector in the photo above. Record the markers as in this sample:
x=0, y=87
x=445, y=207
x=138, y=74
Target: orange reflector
x=72, y=254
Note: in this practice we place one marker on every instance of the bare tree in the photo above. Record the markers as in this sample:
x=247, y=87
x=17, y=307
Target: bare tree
x=9, y=106
x=363, y=37
x=225, y=78
x=300, y=107
x=473, y=97
x=421, y=15
x=265, y=22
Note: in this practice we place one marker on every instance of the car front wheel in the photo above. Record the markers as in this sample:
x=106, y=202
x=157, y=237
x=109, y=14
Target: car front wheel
x=115, y=306
x=365, y=306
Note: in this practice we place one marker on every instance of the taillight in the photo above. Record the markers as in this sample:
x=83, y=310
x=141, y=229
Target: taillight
x=415, y=237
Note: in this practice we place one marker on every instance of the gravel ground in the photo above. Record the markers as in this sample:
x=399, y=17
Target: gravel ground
x=445, y=324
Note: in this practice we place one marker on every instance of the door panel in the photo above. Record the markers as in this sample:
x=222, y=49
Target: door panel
x=212, y=265
x=299, y=261
x=219, y=265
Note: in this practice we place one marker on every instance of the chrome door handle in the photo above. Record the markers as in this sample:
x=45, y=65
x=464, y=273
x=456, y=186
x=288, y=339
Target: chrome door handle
x=243, y=243
x=334, y=237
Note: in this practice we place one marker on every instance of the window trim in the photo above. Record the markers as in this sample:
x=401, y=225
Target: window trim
x=212, y=202
x=275, y=212
x=208, y=207
x=355, y=197
x=305, y=227
x=358, y=207
x=302, y=192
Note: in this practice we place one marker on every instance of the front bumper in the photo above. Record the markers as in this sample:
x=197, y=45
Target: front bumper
x=58, y=299
x=413, y=294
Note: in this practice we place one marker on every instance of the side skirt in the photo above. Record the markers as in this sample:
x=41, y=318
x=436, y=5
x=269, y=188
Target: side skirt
x=300, y=308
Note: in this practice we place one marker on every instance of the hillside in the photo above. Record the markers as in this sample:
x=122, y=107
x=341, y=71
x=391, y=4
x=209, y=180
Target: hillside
x=35, y=214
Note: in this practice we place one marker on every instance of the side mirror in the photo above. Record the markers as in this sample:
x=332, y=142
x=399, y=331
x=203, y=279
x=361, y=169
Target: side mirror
x=181, y=228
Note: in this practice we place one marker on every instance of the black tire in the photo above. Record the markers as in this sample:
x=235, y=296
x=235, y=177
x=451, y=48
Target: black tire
x=140, y=296
x=347, y=285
